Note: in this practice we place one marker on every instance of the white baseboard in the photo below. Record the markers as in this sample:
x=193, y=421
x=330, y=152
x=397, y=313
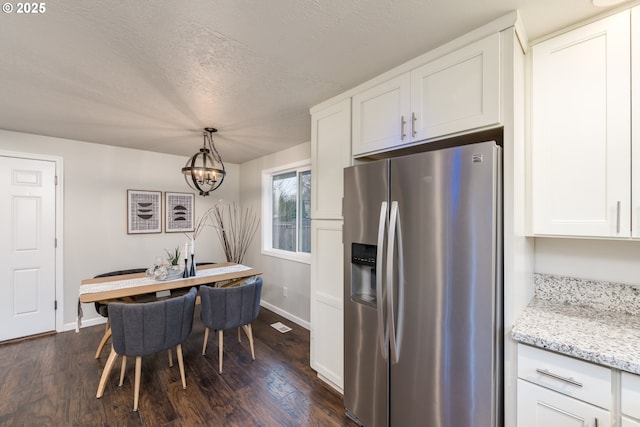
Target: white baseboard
x=73, y=326
x=331, y=383
x=286, y=315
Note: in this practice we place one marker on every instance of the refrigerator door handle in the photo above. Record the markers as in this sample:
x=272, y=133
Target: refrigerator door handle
x=395, y=335
x=383, y=333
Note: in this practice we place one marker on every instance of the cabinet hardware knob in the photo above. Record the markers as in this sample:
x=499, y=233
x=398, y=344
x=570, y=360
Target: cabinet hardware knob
x=618, y=216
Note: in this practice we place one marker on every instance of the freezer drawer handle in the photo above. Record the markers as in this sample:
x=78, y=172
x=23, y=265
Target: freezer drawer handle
x=558, y=377
x=383, y=333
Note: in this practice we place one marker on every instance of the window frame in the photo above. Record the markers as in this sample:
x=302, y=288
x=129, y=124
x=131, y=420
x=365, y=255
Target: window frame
x=267, y=209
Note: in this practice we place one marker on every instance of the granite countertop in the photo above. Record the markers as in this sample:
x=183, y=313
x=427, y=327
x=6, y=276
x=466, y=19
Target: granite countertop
x=591, y=320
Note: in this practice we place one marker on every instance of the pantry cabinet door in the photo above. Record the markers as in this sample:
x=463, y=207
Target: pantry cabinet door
x=327, y=318
x=330, y=154
x=580, y=139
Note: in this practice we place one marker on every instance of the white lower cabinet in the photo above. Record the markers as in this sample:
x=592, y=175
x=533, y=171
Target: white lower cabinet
x=559, y=391
x=555, y=390
x=630, y=400
x=628, y=422
x=541, y=407
x=457, y=92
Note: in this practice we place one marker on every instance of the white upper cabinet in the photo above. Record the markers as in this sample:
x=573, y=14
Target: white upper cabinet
x=635, y=120
x=330, y=154
x=381, y=116
x=455, y=93
x=581, y=130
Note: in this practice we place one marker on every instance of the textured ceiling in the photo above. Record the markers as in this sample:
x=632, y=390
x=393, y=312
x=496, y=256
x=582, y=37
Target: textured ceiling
x=151, y=74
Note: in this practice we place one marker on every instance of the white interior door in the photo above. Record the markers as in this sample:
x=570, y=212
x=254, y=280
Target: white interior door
x=27, y=247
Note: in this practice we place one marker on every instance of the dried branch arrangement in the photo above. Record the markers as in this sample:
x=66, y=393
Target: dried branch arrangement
x=236, y=228
x=202, y=223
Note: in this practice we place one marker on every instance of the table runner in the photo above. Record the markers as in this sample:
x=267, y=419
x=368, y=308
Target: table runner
x=143, y=281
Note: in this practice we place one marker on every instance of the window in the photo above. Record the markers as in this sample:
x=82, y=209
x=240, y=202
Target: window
x=286, y=216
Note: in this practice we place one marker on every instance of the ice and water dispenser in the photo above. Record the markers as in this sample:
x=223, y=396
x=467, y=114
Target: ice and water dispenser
x=363, y=273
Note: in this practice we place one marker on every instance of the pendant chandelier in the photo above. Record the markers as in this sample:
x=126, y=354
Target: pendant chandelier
x=204, y=171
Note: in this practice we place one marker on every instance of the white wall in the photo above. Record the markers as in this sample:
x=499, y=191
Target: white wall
x=96, y=179
x=607, y=260
x=277, y=272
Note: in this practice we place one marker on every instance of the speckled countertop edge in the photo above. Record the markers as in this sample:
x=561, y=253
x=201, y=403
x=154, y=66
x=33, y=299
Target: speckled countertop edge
x=606, y=337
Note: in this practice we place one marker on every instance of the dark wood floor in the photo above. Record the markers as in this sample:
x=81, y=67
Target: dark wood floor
x=52, y=381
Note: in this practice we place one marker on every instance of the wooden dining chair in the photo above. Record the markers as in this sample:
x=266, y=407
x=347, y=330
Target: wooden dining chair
x=140, y=329
x=229, y=308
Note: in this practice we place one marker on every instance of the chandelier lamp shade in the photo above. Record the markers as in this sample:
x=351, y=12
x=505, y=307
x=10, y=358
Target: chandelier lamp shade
x=204, y=171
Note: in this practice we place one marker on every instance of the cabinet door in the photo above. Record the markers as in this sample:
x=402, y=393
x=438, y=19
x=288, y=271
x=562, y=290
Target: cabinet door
x=327, y=346
x=330, y=153
x=630, y=395
x=457, y=92
x=628, y=422
x=381, y=116
x=581, y=131
x=635, y=120
x=575, y=378
x=541, y=407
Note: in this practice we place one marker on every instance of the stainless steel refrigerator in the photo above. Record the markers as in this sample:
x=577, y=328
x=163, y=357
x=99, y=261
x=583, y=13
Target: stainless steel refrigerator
x=423, y=289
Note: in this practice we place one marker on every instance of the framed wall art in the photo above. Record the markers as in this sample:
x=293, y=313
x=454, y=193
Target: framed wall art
x=144, y=211
x=179, y=212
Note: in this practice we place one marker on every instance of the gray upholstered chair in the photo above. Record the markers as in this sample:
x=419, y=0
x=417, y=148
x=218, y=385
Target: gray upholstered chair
x=140, y=329
x=102, y=307
x=228, y=308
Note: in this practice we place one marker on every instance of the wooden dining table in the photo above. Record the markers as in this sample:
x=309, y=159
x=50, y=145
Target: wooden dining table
x=127, y=287
x=130, y=285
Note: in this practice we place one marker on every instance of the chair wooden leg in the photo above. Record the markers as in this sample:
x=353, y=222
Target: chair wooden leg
x=123, y=368
x=249, y=332
x=170, y=358
x=206, y=337
x=181, y=364
x=105, y=373
x=239, y=336
x=220, y=345
x=103, y=341
x=136, y=387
